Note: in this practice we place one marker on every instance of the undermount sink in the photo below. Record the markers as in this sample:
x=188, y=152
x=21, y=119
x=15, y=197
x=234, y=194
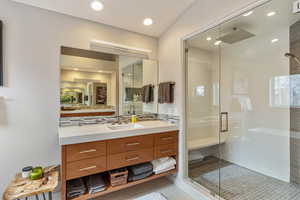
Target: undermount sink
x=124, y=126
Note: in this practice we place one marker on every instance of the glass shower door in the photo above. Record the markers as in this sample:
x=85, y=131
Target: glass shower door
x=202, y=110
x=257, y=155
x=242, y=105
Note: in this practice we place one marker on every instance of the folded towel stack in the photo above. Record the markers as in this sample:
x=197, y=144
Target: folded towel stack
x=141, y=171
x=75, y=188
x=95, y=183
x=163, y=165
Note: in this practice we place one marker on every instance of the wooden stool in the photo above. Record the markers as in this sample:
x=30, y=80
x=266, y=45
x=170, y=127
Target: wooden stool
x=21, y=188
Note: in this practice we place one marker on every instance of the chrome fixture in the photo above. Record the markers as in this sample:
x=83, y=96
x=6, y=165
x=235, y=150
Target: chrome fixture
x=293, y=56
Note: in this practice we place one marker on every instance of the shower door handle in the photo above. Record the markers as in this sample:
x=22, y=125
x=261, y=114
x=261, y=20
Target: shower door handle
x=226, y=121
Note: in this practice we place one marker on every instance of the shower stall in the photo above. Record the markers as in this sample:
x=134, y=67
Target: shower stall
x=243, y=105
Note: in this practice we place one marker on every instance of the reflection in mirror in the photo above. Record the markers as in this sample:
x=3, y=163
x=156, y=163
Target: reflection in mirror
x=138, y=83
x=88, y=83
x=101, y=84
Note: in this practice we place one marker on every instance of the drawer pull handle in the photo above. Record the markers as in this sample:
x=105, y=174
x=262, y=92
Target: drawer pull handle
x=167, y=138
x=87, y=168
x=166, y=151
x=132, y=159
x=88, y=151
x=133, y=144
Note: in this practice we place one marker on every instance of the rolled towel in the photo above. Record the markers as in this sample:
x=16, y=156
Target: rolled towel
x=163, y=163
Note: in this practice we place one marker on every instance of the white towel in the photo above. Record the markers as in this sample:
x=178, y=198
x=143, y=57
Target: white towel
x=152, y=196
x=165, y=170
x=163, y=163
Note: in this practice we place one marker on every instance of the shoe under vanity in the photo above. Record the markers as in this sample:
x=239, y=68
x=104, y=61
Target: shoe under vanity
x=94, y=149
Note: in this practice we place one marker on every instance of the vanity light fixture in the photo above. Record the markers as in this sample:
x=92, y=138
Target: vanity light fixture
x=208, y=38
x=274, y=40
x=76, y=69
x=248, y=13
x=96, y=5
x=270, y=14
x=100, y=71
x=217, y=43
x=148, y=21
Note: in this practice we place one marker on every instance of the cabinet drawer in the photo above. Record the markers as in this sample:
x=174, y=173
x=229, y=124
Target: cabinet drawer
x=85, y=150
x=86, y=167
x=130, y=144
x=166, y=138
x=166, y=150
x=130, y=158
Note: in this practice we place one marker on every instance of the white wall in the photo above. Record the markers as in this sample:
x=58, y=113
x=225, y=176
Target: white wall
x=259, y=136
x=30, y=110
x=202, y=14
x=202, y=113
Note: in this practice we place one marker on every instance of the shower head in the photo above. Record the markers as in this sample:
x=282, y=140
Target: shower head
x=293, y=56
x=236, y=35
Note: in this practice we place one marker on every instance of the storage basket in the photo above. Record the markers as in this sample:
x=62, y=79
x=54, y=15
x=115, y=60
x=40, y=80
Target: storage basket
x=118, y=177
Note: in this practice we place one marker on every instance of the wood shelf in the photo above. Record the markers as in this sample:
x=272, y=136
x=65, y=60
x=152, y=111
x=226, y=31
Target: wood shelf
x=129, y=184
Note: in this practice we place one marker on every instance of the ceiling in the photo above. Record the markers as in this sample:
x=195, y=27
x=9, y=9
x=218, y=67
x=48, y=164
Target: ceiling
x=258, y=24
x=125, y=14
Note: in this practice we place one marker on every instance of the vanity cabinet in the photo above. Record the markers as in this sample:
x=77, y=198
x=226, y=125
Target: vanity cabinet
x=79, y=160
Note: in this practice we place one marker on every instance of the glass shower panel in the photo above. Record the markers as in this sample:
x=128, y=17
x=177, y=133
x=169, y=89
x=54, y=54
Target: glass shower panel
x=202, y=109
x=257, y=158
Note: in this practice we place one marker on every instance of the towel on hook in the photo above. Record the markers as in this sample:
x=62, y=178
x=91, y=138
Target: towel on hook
x=166, y=92
x=148, y=93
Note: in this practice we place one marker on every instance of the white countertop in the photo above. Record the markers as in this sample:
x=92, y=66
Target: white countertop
x=98, y=132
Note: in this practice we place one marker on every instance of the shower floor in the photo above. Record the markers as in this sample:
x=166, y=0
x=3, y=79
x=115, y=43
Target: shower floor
x=239, y=183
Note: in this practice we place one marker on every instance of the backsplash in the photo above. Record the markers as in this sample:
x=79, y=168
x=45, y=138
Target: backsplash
x=80, y=121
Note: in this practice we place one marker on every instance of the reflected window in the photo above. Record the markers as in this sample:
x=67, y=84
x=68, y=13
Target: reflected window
x=295, y=90
x=280, y=91
x=200, y=91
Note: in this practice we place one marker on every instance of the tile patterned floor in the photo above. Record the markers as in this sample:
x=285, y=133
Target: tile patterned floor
x=238, y=183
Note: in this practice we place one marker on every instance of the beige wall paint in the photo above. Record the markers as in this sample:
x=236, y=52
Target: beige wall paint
x=29, y=102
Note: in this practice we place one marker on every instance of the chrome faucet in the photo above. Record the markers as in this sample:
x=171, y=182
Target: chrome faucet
x=118, y=121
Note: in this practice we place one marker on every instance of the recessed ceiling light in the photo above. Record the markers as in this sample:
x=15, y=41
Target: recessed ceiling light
x=248, y=14
x=217, y=43
x=148, y=21
x=275, y=40
x=100, y=71
x=96, y=5
x=208, y=38
x=76, y=69
x=270, y=14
